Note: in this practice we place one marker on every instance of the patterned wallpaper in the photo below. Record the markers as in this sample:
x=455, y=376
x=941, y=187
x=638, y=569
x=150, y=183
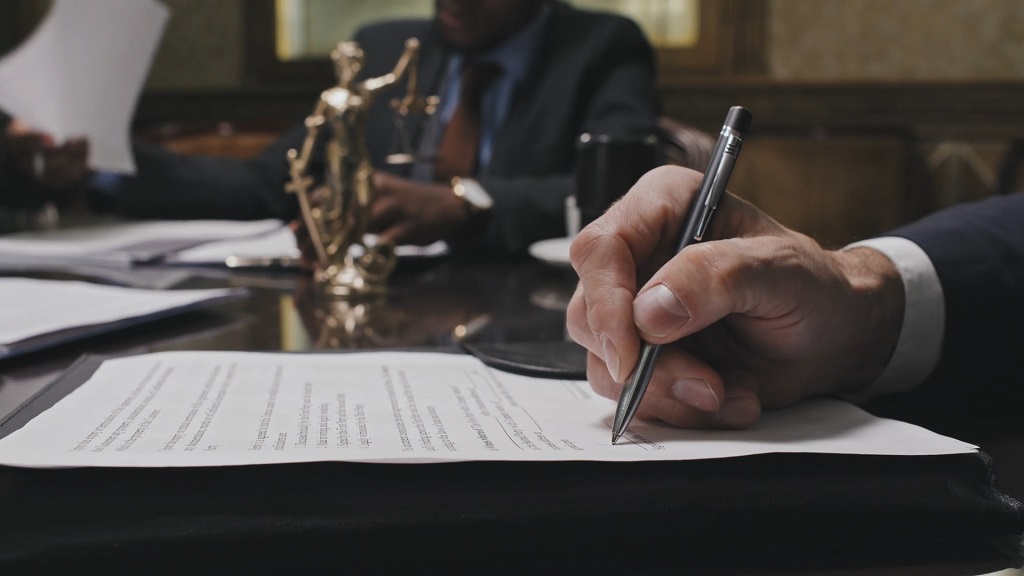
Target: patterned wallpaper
x=896, y=39
x=908, y=40
x=828, y=40
x=202, y=47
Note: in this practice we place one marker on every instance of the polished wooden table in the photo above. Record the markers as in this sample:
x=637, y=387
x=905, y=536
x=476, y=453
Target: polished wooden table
x=431, y=303
x=435, y=304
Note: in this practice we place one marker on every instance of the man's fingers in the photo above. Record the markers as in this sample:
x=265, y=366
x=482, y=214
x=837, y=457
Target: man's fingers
x=740, y=411
x=384, y=213
x=57, y=166
x=576, y=322
x=75, y=148
x=648, y=218
x=705, y=282
x=607, y=294
x=609, y=254
x=685, y=392
x=679, y=377
x=742, y=268
x=396, y=233
x=308, y=259
x=381, y=181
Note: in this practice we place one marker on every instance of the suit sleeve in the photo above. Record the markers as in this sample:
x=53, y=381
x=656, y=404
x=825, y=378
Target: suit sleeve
x=978, y=253
x=170, y=185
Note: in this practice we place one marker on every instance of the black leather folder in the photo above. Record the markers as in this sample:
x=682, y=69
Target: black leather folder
x=774, y=513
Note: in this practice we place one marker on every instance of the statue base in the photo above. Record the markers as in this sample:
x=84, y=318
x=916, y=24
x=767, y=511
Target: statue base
x=359, y=275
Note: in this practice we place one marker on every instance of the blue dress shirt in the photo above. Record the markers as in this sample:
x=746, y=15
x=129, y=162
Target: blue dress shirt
x=515, y=56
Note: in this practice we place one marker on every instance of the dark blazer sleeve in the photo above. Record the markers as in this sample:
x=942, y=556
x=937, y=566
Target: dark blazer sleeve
x=170, y=185
x=978, y=253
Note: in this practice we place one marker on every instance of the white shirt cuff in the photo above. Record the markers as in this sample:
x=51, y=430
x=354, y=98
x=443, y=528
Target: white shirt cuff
x=924, y=317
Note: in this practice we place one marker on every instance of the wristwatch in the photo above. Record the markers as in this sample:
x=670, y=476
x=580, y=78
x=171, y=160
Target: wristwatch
x=473, y=194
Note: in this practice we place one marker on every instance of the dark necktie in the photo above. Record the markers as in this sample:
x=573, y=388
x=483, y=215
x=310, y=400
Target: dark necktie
x=457, y=154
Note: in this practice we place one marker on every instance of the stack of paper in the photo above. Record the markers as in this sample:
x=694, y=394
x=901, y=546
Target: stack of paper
x=41, y=313
x=276, y=249
x=240, y=408
x=120, y=244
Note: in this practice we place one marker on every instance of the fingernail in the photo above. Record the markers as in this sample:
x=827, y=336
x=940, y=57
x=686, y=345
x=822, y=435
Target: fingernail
x=739, y=412
x=611, y=357
x=696, y=392
x=658, y=312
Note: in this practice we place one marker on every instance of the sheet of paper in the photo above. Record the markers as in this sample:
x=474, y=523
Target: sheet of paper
x=276, y=245
x=81, y=72
x=122, y=243
x=34, y=308
x=277, y=248
x=233, y=408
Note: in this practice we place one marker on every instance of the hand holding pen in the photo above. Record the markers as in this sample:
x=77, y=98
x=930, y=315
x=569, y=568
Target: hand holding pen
x=756, y=315
x=712, y=187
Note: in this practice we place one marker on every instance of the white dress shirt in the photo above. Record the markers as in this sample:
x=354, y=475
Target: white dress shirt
x=920, y=342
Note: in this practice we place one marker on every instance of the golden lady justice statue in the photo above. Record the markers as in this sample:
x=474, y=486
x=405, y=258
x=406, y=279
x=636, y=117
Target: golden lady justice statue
x=337, y=214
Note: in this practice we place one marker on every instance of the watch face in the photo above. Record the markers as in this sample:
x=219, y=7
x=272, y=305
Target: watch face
x=475, y=194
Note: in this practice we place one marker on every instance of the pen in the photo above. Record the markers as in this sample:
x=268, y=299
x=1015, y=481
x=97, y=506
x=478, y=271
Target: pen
x=703, y=207
x=261, y=262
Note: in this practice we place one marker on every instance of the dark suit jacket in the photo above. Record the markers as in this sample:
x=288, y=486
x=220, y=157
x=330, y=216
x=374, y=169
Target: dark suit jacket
x=978, y=252
x=593, y=72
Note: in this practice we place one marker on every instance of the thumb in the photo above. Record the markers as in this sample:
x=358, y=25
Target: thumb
x=708, y=281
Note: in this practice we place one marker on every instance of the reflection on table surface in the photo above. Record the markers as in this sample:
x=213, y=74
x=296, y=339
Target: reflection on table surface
x=430, y=304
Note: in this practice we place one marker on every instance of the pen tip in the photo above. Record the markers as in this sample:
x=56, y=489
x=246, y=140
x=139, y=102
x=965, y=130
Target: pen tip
x=615, y=437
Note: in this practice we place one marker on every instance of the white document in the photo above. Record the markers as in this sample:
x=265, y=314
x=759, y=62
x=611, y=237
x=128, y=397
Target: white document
x=121, y=243
x=80, y=74
x=235, y=408
x=275, y=249
x=278, y=245
x=68, y=309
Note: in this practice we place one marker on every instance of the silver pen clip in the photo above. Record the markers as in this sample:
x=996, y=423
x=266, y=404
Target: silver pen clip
x=721, y=176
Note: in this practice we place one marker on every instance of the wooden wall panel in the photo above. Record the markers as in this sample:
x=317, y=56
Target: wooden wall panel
x=835, y=190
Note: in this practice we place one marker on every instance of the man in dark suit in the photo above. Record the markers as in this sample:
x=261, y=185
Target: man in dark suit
x=771, y=317
x=561, y=72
